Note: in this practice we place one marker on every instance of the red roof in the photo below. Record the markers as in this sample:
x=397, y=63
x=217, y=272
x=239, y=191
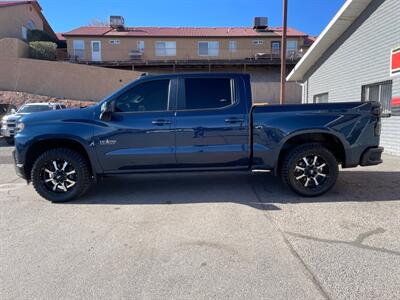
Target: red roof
x=181, y=31
x=13, y=3
x=60, y=36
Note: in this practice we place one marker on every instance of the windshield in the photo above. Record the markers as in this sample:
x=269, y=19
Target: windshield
x=33, y=108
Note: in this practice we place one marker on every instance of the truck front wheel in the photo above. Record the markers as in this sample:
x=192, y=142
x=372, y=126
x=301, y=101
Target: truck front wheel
x=9, y=140
x=310, y=170
x=60, y=175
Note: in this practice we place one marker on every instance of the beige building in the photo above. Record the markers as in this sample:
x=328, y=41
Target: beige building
x=137, y=45
x=17, y=17
x=255, y=50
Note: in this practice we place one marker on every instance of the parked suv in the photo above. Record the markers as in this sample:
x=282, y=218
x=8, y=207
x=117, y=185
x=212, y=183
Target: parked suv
x=8, y=122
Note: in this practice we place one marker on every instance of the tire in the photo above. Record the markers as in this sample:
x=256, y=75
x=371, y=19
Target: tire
x=307, y=175
x=70, y=176
x=9, y=140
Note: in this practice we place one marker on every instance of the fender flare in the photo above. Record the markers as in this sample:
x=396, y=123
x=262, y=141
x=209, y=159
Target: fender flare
x=296, y=133
x=94, y=164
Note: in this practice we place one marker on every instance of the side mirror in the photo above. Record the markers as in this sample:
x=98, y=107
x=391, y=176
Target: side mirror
x=107, y=109
x=13, y=111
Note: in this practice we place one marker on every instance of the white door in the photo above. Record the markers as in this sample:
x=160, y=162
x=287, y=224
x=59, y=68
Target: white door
x=96, y=51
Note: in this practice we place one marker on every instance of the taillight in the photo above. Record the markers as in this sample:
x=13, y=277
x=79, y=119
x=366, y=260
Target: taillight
x=376, y=109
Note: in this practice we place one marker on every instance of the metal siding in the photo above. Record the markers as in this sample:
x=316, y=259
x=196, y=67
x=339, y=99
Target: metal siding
x=361, y=56
x=390, y=138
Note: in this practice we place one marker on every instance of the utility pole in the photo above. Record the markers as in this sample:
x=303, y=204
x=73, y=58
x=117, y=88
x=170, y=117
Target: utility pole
x=283, y=52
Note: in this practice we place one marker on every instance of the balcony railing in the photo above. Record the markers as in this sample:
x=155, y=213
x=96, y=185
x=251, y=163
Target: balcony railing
x=182, y=55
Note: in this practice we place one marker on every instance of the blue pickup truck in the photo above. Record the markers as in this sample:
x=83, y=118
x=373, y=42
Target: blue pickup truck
x=194, y=122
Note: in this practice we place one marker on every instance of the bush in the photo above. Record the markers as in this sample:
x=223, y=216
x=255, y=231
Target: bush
x=42, y=50
x=36, y=35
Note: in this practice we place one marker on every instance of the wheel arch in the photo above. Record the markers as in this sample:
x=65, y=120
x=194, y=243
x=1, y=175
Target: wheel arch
x=41, y=145
x=333, y=142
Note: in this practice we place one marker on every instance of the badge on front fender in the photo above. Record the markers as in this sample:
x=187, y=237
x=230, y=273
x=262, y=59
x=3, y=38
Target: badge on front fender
x=107, y=142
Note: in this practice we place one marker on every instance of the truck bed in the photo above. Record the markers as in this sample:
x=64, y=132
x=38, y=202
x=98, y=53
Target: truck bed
x=349, y=123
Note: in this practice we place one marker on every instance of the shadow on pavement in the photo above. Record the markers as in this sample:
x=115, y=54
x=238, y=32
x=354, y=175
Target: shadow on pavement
x=260, y=191
x=3, y=143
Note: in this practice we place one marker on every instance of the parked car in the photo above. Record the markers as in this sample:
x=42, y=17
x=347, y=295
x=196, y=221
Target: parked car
x=8, y=122
x=6, y=109
x=195, y=122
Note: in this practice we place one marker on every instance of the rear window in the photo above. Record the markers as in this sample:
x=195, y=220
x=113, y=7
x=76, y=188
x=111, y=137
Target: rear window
x=3, y=108
x=206, y=93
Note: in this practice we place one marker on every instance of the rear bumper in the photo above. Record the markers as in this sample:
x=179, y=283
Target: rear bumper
x=19, y=168
x=372, y=157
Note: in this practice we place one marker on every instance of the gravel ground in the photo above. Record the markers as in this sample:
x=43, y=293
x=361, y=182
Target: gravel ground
x=203, y=236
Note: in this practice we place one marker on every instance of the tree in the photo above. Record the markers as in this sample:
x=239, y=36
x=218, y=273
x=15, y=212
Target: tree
x=98, y=22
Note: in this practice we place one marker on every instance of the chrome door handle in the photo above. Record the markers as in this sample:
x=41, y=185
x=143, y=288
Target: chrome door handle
x=234, y=120
x=161, y=122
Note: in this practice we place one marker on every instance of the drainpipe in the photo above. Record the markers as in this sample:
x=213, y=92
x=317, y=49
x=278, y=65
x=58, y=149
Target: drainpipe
x=283, y=52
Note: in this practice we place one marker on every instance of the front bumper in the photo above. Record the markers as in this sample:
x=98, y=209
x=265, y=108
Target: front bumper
x=372, y=157
x=7, y=132
x=19, y=168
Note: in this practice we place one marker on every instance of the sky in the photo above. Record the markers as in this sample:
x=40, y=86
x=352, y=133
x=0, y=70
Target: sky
x=309, y=16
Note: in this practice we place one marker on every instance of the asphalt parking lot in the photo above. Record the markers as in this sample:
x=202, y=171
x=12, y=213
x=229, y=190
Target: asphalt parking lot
x=203, y=236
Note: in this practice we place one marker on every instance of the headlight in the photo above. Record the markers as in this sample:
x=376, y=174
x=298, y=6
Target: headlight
x=20, y=126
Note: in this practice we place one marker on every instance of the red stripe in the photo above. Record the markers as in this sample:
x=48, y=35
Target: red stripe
x=396, y=60
x=396, y=101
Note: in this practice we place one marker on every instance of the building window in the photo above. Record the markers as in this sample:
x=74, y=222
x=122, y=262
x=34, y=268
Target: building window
x=381, y=92
x=114, y=42
x=258, y=42
x=165, y=48
x=140, y=46
x=292, y=48
x=232, y=46
x=30, y=25
x=276, y=47
x=207, y=93
x=79, y=49
x=208, y=48
x=321, y=98
x=24, y=33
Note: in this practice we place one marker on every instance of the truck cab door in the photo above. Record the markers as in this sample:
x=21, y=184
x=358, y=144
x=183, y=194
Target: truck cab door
x=211, y=124
x=139, y=134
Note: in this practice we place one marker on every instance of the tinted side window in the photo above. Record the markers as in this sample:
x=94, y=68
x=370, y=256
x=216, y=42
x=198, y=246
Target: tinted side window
x=148, y=96
x=203, y=93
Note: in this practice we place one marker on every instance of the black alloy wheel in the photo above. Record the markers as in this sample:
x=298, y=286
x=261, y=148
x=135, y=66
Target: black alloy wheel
x=60, y=175
x=310, y=170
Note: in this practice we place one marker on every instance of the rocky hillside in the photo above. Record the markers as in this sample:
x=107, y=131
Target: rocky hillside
x=20, y=98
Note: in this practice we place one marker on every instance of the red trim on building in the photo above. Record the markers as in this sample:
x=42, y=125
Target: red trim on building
x=396, y=101
x=395, y=67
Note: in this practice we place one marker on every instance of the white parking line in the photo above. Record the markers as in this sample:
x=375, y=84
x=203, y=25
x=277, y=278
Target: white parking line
x=6, y=187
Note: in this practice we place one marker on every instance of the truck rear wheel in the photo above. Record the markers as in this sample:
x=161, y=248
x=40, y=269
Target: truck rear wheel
x=60, y=175
x=310, y=170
